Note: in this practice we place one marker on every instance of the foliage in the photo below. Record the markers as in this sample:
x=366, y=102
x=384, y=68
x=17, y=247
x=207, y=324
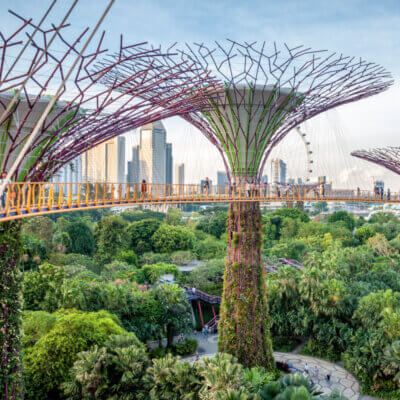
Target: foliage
x=173, y=217
x=170, y=238
x=42, y=288
x=81, y=239
x=214, y=224
x=110, y=238
x=11, y=309
x=47, y=362
x=343, y=216
x=34, y=251
x=139, y=215
x=113, y=371
x=294, y=213
x=210, y=248
x=170, y=378
x=293, y=249
x=363, y=233
x=153, y=272
x=140, y=234
x=129, y=256
x=185, y=348
x=40, y=227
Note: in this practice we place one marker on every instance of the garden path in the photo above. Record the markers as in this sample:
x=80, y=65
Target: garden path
x=341, y=379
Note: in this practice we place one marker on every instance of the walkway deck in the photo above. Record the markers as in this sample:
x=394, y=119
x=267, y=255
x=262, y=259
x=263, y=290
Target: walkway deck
x=37, y=198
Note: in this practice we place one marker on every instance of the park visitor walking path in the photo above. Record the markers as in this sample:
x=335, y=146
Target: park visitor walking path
x=341, y=379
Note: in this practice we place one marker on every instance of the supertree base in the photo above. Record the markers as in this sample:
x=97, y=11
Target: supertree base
x=243, y=327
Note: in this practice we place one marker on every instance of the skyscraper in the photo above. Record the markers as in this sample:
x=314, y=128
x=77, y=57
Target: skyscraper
x=152, y=153
x=278, y=171
x=133, y=166
x=168, y=163
x=70, y=172
x=105, y=162
x=222, y=180
x=179, y=174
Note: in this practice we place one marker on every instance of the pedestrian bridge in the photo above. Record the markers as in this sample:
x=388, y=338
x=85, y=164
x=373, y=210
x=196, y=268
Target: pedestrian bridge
x=28, y=199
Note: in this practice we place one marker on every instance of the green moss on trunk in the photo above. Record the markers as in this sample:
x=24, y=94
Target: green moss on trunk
x=243, y=328
x=11, y=310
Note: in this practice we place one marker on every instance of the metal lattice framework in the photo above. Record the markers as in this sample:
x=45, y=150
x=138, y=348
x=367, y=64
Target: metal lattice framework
x=269, y=91
x=387, y=157
x=87, y=112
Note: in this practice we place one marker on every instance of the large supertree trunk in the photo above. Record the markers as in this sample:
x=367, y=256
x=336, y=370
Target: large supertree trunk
x=243, y=327
x=11, y=310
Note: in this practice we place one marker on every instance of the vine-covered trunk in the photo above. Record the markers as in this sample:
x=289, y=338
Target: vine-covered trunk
x=243, y=328
x=11, y=310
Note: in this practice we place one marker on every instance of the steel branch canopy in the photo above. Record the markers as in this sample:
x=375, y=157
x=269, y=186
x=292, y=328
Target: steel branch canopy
x=388, y=157
x=87, y=112
x=269, y=91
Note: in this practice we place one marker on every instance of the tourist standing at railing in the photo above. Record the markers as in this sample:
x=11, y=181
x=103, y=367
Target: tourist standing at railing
x=143, y=188
x=381, y=192
x=388, y=194
x=207, y=186
x=6, y=189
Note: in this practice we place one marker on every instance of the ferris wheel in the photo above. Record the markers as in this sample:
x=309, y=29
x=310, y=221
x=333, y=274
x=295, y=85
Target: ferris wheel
x=309, y=160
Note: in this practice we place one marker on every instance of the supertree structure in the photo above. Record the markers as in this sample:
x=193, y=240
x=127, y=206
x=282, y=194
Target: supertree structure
x=82, y=113
x=267, y=92
x=387, y=157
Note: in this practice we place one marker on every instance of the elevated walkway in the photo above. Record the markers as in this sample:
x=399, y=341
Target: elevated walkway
x=39, y=198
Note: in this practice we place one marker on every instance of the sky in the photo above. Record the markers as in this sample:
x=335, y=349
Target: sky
x=369, y=29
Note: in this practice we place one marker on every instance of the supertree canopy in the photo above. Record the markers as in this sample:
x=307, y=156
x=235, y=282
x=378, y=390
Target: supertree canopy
x=388, y=157
x=86, y=112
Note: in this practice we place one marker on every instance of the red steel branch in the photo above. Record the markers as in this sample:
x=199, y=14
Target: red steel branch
x=387, y=157
x=103, y=99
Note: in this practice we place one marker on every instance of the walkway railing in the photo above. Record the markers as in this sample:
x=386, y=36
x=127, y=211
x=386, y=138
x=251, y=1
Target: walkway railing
x=36, y=198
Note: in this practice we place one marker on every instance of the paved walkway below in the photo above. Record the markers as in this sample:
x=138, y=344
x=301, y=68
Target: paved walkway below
x=341, y=379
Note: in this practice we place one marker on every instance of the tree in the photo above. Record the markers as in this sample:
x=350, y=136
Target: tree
x=392, y=356
x=110, y=236
x=295, y=213
x=173, y=216
x=364, y=233
x=172, y=379
x=320, y=206
x=175, y=310
x=114, y=370
x=40, y=227
x=47, y=362
x=213, y=224
x=172, y=238
x=344, y=217
x=140, y=234
x=81, y=239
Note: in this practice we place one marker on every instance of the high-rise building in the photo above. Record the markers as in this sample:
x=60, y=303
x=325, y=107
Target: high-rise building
x=105, y=162
x=222, y=181
x=264, y=179
x=291, y=181
x=278, y=171
x=133, y=172
x=168, y=163
x=152, y=152
x=69, y=173
x=179, y=174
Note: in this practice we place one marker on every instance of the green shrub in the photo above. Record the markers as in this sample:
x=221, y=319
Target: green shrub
x=185, y=348
x=171, y=379
x=114, y=371
x=47, y=362
x=42, y=288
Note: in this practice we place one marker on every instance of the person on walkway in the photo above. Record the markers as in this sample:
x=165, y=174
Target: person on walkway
x=143, y=188
x=381, y=192
x=388, y=194
x=316, y=371
x=205, y=330
x=306, y=369
x=179, y=338
x=328, y=378
x=197, y=356
x=6, y=190
x=207, y=186
x=248, y=189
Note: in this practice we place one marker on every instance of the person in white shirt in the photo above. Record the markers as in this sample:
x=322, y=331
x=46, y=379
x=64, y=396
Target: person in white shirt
x=4, y=195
